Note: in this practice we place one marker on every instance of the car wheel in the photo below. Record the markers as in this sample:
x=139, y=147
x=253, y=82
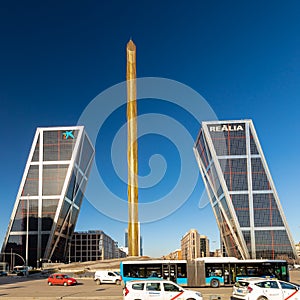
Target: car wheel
x=262, y=298
x=49, y=283
x=65, y=283
x=118, y=282
x=215, y=283
x=98, y=281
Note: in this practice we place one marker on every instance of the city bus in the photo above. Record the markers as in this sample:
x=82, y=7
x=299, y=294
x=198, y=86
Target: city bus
x=174, y=270
x=219, y=271
x=201, y=272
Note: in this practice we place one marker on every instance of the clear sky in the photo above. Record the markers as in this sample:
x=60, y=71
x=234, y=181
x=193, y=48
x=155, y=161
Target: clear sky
x=242, y=57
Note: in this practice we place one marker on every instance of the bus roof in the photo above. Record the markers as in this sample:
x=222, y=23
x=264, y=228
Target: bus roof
x=234, y=259
x=205, y=259
x=217, y=259
x=155, y=261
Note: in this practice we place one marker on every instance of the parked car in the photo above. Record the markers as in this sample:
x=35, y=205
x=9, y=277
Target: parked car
x=296, y=266
x=104, y=276
x=157, y=289
x=3, y=273
x=264, y=289
x=61, y=279
x=21, y=270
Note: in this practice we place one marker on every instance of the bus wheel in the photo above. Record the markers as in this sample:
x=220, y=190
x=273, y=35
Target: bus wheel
x=215, y=283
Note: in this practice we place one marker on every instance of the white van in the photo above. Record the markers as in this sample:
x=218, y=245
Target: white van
x=104, y=276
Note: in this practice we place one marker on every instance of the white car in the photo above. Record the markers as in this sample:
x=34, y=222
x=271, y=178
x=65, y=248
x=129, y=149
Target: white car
x=104, y=276
x=264, y=289
x=157, y=289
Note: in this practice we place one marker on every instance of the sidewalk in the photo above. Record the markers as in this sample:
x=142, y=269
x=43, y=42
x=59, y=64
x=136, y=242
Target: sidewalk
x=66, y=298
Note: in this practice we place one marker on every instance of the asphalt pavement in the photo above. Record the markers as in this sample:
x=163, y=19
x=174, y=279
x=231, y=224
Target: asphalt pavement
x=36, y=287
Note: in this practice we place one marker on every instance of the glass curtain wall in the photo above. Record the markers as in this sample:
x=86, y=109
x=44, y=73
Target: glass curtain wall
x=50, y=195
x=241, y=191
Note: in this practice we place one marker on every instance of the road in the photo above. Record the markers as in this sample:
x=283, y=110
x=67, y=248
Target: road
x=16, y=288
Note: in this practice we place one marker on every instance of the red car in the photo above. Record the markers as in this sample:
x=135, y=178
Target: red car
x=61, y=279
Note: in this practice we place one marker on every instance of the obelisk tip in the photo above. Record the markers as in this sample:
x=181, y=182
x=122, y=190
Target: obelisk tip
x=131, y=45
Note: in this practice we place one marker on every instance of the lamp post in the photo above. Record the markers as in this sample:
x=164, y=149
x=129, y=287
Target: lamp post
x=27, y=235
x=11, y=260
x=69, y=252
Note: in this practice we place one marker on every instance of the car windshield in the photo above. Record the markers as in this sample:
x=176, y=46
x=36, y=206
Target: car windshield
x=241, y=284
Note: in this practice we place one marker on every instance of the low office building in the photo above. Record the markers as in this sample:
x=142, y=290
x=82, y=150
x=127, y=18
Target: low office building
x=204, y=246
x=93, y=245
x=190, y=245
x=175, y=255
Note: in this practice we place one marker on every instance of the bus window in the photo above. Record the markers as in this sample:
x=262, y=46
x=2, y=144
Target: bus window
x=181, y=270
x=153, y=271
x=253, y=270
x=267, y=271
x=240, y=270
x=214, y=270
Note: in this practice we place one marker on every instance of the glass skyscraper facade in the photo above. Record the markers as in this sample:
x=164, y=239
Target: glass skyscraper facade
x=241, y=191
x=49, y=196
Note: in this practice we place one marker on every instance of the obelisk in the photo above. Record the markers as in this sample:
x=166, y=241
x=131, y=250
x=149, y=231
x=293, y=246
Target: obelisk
x=132, y=152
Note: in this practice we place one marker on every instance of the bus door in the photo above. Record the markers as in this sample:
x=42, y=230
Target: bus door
x=169, y=272
x=226, y=274
x=232, y=273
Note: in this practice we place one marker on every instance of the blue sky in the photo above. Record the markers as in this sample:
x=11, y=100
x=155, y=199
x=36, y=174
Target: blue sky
x=241, y=56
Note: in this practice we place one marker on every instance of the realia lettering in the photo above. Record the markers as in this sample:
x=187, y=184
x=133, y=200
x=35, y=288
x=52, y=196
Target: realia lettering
x=225, y=127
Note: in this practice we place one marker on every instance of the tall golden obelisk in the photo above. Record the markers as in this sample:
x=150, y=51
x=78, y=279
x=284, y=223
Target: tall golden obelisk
x=132, y=152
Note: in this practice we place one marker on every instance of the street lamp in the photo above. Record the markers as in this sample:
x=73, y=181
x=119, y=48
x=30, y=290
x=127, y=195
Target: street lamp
x=13, y=259
x=27, y=235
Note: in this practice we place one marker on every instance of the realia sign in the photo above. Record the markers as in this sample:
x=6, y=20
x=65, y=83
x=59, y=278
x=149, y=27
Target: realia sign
x=226, y=127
